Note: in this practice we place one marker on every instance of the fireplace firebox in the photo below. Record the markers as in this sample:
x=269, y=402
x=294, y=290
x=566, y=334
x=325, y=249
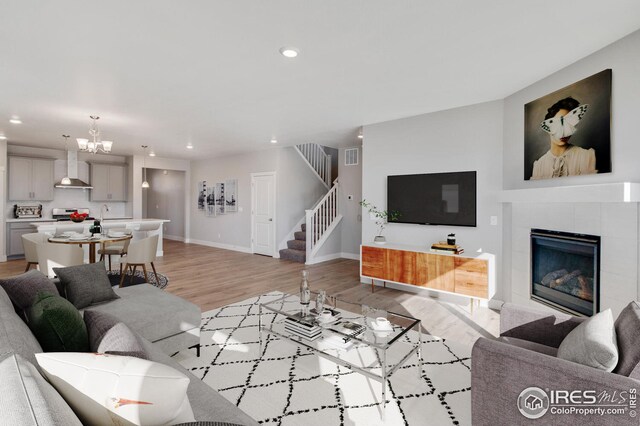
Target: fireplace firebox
x=565, y=271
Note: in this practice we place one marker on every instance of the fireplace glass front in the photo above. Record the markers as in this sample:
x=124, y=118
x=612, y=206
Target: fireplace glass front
x=565, y=271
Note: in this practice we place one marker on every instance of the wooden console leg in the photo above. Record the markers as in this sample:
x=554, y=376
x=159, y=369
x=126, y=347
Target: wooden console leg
x=372, y=285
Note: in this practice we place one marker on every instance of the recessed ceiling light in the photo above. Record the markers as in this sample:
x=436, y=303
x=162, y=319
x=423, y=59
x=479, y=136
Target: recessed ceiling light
x=15, y=120
x=3, y=137
x=273, y=140
x=152, y=154
x=289, y=52
x=189, y=146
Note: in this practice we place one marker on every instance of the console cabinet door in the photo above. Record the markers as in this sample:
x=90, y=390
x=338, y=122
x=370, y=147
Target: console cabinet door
x=373, y=262
x=472, y=277
x=435, y=271
x=400, y=266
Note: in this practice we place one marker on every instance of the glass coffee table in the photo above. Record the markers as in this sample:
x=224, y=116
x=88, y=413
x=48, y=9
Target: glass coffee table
x=355, y=340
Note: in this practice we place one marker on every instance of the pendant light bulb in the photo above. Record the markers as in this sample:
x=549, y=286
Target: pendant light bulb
x=65, y=180
x=145, y=184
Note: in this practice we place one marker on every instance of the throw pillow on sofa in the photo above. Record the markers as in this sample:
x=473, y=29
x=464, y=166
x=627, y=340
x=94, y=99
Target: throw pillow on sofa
x=628, y=334
x=112, y=389
x=86, y=284
x=592, y=343
x=23, y=289
x=57, y=325
x=109, y=335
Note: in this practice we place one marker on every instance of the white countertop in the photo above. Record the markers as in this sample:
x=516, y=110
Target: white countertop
x=425, y=249
x=29, y=220
x=106, y=221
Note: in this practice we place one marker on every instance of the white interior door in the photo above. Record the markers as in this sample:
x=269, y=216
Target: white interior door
x=263, y=212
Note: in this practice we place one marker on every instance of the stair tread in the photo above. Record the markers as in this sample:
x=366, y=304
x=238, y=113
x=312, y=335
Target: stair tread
x=293, y=255
x=297, y=245
x=300, y=235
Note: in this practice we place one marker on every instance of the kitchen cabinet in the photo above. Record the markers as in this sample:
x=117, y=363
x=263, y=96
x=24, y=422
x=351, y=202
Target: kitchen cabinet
x=14, y=240
x=109, y=182
x=30, y=179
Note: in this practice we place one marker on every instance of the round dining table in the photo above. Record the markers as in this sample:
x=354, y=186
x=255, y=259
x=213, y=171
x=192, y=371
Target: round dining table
x=92, y=241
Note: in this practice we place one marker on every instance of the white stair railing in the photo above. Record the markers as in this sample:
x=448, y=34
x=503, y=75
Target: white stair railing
x=318, y=160
x=321, y=219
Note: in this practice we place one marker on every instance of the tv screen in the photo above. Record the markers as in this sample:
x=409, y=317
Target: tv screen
x=433, y=199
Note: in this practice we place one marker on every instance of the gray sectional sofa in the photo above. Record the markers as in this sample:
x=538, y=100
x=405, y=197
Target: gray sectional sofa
x=165, y=323
x=524, y=356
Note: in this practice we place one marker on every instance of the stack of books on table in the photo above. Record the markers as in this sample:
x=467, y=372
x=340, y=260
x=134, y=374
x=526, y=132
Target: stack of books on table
x=303, y=327
x=443, y=247
x=341, y=341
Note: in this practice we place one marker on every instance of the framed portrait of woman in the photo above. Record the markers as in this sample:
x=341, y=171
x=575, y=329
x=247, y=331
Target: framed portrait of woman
x=568, y=132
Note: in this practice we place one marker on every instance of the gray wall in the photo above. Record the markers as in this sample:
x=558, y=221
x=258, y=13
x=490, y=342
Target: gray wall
x=468, y=138
x=296, y=190
x=350, y=184
x=165, y=200
x=624, y=60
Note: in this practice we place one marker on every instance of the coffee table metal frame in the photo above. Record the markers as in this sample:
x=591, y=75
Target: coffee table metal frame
x=386, y=372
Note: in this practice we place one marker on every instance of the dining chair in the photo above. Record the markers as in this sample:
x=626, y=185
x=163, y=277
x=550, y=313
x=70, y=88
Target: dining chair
x=30, y=243
x=140, y=253
x=58, y=256
x=118, y=248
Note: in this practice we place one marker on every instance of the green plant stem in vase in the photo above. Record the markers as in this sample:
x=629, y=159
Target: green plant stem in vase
x=382, y=217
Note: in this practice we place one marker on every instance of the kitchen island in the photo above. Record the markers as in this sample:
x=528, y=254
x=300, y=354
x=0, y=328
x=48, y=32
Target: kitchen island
x=51, y=227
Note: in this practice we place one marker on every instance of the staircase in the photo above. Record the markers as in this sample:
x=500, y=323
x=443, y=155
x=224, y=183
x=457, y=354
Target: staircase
x=297, y=248
x=323, y=218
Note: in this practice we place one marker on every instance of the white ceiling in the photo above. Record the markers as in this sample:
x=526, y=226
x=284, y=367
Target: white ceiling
x=165, y=73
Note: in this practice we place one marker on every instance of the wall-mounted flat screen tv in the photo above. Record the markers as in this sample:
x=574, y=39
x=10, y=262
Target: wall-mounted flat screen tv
x=434, y=198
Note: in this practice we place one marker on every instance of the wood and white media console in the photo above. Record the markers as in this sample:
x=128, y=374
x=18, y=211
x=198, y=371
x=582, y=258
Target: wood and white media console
x=469, y=276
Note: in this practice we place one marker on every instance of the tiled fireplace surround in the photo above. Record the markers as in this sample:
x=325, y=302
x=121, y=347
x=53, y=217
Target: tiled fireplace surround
x=615, y=222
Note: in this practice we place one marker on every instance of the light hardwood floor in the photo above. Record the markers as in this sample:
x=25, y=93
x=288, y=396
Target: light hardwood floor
x=211, y=278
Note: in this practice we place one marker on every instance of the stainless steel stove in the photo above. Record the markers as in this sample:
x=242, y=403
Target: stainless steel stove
x=64, y=214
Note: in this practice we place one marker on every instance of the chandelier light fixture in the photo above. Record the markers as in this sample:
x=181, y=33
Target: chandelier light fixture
x=66, y=180
x=96, y=144
x=145, y=184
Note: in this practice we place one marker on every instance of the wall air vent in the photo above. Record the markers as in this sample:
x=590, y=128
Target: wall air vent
x=351, y=157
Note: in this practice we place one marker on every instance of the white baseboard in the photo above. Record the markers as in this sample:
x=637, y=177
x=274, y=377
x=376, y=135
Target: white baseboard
x=174, y=238
x=333, y=256
x=325, y=258
x=352, y=256
x=3, y=258
x=219, y=245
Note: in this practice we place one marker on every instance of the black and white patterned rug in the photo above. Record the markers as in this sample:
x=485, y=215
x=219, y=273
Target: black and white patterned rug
x=289, y=385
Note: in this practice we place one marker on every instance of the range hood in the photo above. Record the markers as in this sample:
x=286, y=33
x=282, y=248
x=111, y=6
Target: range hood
x=72, y=173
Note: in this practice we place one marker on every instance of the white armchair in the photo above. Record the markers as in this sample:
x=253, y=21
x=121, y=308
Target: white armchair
x=30, y=243
x=140, y=253
x=58, y=256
